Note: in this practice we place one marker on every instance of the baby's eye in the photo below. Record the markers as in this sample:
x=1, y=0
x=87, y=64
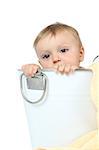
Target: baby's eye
x=64, y=50
x=45, y=56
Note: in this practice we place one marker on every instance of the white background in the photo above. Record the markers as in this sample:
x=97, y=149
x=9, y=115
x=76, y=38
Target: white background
x=20, y=22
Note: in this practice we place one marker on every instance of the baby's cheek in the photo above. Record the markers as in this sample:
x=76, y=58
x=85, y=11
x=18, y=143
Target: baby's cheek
x=47, y=64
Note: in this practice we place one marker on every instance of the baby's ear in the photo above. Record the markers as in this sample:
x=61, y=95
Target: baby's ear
x=81, y=53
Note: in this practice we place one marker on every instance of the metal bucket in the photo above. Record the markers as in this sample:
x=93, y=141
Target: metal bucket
x=59, y=107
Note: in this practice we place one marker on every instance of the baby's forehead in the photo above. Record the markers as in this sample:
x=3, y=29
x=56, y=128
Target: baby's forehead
x=65, y=36
x=60, y=40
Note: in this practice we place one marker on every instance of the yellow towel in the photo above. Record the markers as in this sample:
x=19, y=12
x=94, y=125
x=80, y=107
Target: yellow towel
x=86, y=142
x=90, y=140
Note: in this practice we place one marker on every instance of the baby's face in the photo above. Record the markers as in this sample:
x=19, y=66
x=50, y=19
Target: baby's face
x=60, y=49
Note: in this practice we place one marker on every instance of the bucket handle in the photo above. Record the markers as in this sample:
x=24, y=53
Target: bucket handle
x=44, y=80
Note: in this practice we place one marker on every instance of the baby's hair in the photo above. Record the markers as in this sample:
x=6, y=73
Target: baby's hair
x=53, y=29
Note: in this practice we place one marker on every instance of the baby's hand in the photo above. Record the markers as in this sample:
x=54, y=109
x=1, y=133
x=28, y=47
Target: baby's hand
x=65, y=68
x=30, y=69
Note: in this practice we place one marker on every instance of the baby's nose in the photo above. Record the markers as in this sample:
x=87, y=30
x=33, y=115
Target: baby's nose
x=56, y=59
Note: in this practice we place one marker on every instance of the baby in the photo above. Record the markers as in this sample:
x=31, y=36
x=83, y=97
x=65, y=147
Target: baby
x=59, y=48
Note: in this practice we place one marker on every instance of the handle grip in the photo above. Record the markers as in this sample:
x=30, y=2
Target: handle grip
x=38, y=82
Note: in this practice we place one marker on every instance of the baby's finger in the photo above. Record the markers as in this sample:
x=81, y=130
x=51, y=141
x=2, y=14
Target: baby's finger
x=30, y=69
x=61, y=68
x=25, y=69
x=67, y=69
